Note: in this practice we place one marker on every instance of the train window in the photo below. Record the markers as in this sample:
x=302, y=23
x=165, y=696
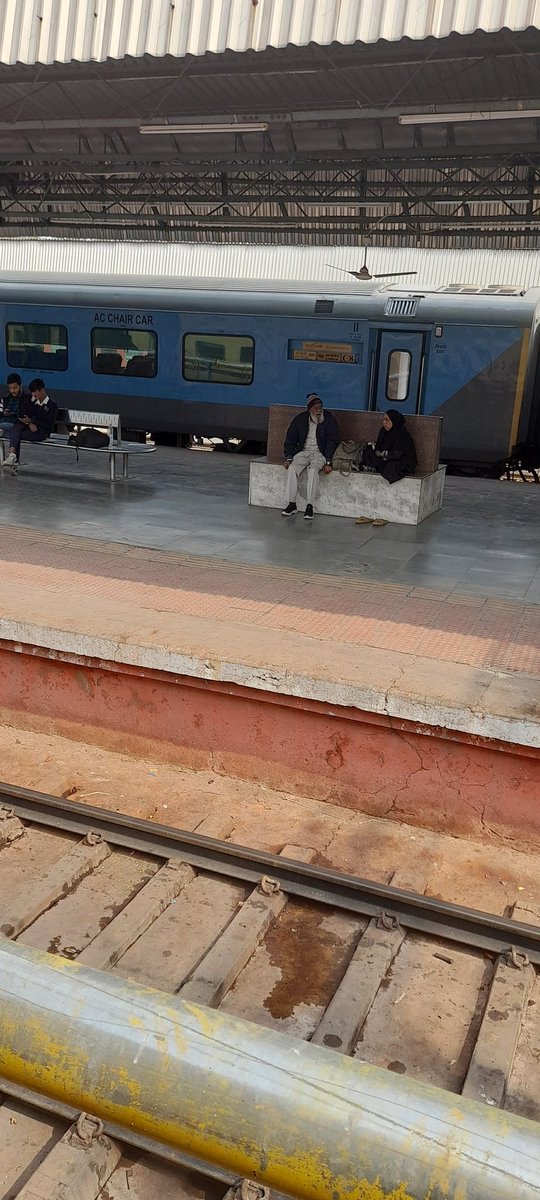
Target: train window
x=218, y=358
x=398, y=374
x=120, y=351
x=36, y=347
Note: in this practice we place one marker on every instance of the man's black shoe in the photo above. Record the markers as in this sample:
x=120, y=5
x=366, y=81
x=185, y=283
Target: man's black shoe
x=289, y=511
x=308, y=515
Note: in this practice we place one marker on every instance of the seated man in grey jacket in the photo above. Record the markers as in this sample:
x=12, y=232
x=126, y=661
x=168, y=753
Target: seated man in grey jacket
x=312, y=438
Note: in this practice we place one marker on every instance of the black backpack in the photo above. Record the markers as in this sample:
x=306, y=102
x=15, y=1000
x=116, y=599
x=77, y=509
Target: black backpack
x=88, y=439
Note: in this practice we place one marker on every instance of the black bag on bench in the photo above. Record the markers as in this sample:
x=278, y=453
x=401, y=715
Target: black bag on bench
x=89, y=439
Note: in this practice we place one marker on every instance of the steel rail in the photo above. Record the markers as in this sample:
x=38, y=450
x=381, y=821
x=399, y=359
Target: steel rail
x=437, y=918
x=119, y=1133
x=128, y=1137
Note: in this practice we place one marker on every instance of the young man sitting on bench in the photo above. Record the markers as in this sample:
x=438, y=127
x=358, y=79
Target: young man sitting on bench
x=37, y=415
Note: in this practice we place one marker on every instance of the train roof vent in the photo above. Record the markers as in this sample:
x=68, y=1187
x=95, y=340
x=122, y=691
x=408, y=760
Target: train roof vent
x=324, y=306
x=399, y=306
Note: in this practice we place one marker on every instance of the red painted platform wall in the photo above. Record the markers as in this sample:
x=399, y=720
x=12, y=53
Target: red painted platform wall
x=345, y=757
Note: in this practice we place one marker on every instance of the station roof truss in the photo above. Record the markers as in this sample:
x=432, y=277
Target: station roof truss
x=369, y=142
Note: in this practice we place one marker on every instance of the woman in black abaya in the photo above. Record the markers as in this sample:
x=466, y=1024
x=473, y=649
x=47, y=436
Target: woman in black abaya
x=394, y=452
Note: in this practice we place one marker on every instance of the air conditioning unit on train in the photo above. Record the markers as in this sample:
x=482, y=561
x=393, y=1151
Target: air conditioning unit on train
x=399, y=306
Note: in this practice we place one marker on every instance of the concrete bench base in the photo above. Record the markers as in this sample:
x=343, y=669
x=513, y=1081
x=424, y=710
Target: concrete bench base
x=358, y=495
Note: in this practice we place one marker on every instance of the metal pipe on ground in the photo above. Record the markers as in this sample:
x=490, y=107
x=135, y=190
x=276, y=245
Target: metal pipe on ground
x=304, y=1120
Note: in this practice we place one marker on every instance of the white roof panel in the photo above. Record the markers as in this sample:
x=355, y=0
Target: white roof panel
x=516, y=269
x=48, y=31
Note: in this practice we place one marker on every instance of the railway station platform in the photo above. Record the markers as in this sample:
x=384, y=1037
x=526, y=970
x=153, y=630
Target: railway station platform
x=390, y=671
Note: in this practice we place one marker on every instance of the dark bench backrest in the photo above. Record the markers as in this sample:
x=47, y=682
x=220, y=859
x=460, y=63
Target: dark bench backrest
x=107, y=364
x=141, y=367
x=361, y=427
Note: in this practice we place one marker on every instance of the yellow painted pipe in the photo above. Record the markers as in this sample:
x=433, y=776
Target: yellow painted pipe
x=299, y=1118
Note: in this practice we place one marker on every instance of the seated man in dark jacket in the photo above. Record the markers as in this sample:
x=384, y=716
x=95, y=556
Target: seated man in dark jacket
x=10, y=404
x=37, y=415
x=312, y=438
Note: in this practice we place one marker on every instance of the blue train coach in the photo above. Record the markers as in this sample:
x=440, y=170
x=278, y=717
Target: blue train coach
x=208, y=357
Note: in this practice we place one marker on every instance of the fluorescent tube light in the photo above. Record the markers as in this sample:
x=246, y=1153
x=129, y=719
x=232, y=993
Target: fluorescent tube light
x=455, y=118
x=221, y=127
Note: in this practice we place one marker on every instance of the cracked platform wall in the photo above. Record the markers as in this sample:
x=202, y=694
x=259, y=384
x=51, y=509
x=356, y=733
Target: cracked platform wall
x=365, y=761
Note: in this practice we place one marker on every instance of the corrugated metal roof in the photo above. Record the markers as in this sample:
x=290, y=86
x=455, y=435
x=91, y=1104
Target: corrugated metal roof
x=435, y=268
x=48, y=31
x=288, y=80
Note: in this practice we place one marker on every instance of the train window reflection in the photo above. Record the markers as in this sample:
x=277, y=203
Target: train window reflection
x=36, y=347
x=398, y=375
x=218, y=358
x=120, y=351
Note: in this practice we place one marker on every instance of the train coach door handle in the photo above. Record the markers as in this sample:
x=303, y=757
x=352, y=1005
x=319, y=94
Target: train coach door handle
x=370, y=404
x=420, y=380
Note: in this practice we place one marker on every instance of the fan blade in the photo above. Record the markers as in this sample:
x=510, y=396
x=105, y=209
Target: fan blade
x=344, y=269
x=394, y=274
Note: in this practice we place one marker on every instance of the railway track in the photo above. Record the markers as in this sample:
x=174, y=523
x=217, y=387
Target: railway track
x=385, y=974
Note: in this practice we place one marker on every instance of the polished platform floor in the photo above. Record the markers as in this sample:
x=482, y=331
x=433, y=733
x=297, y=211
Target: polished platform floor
x=484, y=542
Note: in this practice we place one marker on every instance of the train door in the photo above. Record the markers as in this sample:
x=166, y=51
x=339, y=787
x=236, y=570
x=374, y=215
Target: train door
x=398, y=374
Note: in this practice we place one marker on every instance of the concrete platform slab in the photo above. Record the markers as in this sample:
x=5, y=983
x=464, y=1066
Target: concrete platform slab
x=374, y=647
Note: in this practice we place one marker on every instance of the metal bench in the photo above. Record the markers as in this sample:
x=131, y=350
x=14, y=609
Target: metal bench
x=407, y=502
x=93, y=420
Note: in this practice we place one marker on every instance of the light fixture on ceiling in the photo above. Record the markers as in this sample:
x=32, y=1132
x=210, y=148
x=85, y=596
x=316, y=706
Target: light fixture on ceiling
x=216, y=127
x=456, y=118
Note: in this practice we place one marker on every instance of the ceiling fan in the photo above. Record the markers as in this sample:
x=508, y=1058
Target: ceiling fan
x=365, y=274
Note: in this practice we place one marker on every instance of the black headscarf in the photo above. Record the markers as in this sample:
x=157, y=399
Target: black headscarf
x=387, y=437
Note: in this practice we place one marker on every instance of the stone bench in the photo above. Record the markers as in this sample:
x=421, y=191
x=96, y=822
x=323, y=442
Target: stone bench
x=407, y=502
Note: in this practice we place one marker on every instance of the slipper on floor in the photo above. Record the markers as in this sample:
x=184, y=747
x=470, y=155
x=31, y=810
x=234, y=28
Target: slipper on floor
x=379, y=521
x=363, y=521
